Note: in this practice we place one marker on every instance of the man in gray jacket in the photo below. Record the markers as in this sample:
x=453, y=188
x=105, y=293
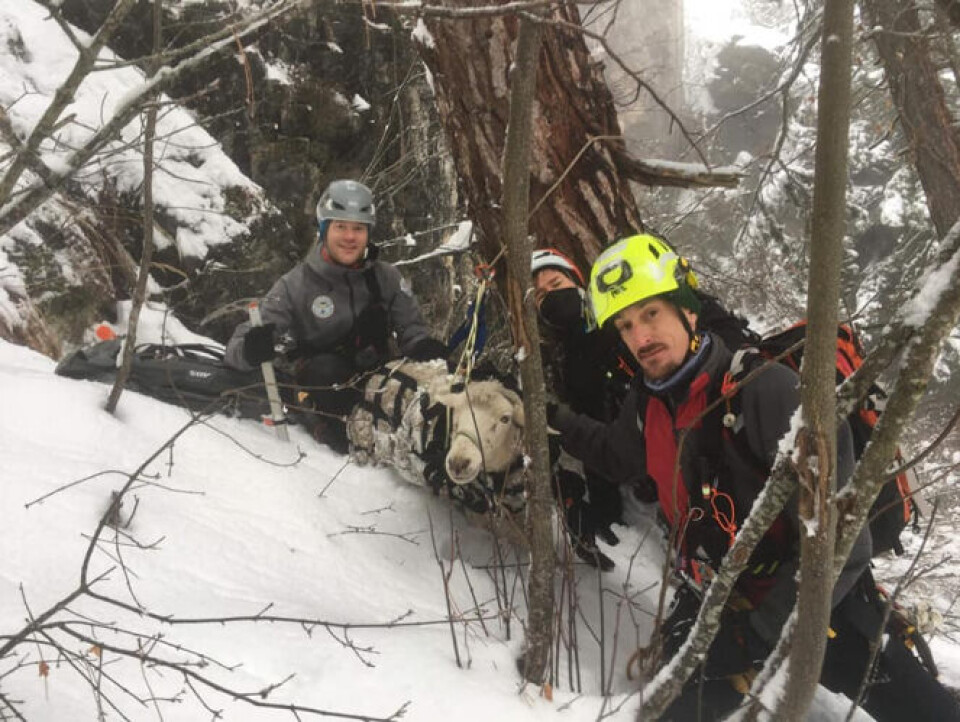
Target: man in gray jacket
x=336, y=313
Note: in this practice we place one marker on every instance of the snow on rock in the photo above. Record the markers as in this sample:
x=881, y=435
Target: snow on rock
x=192, y=174
x=202, y=199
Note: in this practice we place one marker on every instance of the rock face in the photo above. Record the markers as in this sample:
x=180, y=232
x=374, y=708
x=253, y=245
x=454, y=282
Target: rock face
x=324, y=94
x=648, y=35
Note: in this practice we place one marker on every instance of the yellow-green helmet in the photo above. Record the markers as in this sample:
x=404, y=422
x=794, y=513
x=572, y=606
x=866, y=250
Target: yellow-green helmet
x=635, y=269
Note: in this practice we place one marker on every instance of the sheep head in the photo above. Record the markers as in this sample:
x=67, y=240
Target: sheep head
x=486, y=430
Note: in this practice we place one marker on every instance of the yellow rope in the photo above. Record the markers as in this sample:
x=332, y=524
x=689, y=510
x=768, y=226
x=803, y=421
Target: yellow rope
x=465, y=366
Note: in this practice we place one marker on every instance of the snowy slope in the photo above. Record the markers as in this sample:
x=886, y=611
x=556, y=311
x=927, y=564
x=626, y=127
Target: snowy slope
x=234, y=535
x=233, y=522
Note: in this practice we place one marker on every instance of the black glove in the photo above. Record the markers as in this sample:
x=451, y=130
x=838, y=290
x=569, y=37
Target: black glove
x=559, y=415
x=601, y=526
x=644, y=489
x=258, y=344
x=428, y=349
x=553, y=409
x=736, y=649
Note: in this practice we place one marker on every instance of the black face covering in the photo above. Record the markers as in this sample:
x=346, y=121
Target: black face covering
x=563, y=311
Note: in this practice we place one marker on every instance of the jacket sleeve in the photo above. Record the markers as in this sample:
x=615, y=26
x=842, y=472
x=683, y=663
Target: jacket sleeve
x=405, y=317
x=614, y=449
x=276, y=308
x=768, y=410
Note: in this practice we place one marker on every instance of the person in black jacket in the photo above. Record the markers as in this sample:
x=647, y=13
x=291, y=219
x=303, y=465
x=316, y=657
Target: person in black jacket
x=337, y=313
x=584, y=367
x=646, y=291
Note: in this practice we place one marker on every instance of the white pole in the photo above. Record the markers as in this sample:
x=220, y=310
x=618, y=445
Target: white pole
x=277, y=419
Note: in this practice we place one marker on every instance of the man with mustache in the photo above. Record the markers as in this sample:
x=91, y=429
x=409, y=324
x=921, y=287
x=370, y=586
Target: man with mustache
x=336, y=314
x=706, y=488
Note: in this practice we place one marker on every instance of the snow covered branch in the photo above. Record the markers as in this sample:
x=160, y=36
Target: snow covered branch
x=15, y=207
x=931, y=315
x=65, y=94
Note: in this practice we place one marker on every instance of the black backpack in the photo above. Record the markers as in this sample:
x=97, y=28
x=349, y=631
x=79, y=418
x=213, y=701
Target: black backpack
x=734, y=331
x=189, y=375
x=894, y=507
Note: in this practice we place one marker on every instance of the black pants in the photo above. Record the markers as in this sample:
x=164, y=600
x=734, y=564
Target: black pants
x=901, y=688
x=325, y=419
x=703, y=701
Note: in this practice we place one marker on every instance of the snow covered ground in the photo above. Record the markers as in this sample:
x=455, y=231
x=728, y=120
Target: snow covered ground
x=233, y=522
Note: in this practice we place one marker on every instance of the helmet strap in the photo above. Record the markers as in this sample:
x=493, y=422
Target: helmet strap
x=691, y=334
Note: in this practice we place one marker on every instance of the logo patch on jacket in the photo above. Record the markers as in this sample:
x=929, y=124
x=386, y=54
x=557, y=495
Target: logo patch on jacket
x=322, y=307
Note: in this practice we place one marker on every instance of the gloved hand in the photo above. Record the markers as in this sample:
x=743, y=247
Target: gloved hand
x=557, y=413
x=551, y=408
x=736, y=648
x=601, y=526
x=644, y=489
x=258, y=344
x=428, y=349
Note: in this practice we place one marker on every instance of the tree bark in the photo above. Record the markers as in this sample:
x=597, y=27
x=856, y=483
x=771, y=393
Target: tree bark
x=580, y=198
x=516, y=188
x=918, y=95
x=818, y=447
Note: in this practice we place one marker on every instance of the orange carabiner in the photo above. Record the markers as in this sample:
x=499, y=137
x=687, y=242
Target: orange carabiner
x=484, y=271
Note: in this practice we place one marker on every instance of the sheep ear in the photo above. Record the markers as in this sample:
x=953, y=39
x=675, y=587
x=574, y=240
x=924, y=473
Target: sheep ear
x=514, y=398
x=518, y=415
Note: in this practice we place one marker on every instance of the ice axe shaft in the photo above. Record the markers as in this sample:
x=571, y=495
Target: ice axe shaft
x=277, y=419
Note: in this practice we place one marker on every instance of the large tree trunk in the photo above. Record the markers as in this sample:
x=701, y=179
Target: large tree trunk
x=918, y=95
x=592, y=203
x=818, y=439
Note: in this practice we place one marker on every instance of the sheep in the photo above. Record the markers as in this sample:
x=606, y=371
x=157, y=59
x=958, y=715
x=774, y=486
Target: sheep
x=442, y=434
x=486, y=429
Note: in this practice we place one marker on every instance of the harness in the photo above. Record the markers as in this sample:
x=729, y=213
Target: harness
x=713, y=494
x=401, y=424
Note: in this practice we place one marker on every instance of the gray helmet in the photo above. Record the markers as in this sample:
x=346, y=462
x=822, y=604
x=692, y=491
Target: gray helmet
x=346, y=200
